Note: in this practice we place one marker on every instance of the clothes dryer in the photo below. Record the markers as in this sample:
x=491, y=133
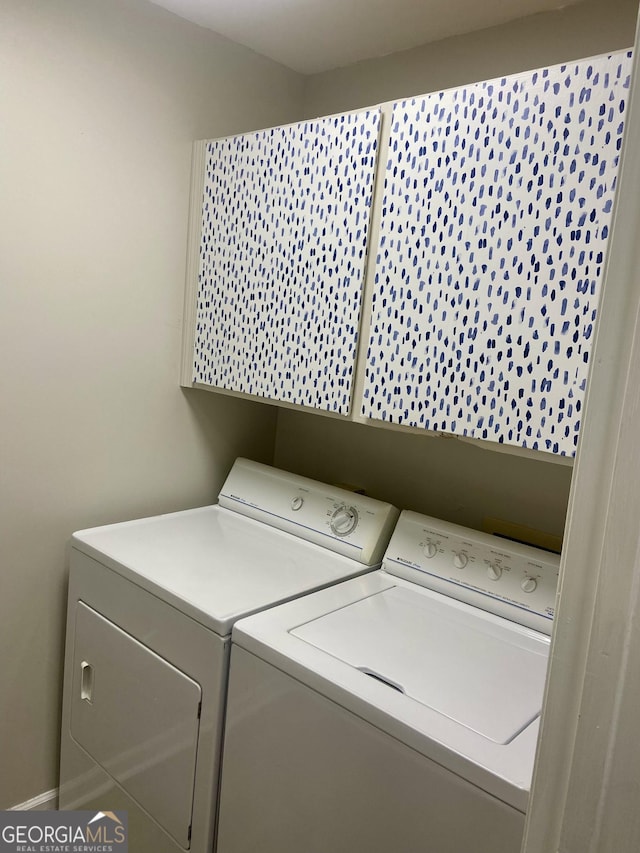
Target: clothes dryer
x=394, y=711
x=150, y=610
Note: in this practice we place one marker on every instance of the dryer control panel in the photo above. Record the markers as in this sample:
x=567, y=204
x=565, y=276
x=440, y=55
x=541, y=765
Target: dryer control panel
x=507, y=578
x=350, y=524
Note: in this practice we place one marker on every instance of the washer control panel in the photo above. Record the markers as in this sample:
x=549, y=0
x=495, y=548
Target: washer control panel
x=353, y=525
x=504, y=577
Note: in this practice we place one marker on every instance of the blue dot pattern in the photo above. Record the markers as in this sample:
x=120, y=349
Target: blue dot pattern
x=285, y=222
x=496, y=210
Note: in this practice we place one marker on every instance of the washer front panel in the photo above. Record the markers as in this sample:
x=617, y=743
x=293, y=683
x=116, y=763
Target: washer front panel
x=503, y=770
x=303, y=775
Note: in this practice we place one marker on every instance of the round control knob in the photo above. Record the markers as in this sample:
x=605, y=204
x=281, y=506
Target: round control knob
x=296, y=504
x=430, y=549
x=460, y=559
x=494, y=571
x=344, y=520
x=529, y=585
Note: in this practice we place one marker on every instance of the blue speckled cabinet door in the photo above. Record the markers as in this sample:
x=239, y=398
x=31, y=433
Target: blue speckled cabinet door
x=285, y=223
x=497, y=206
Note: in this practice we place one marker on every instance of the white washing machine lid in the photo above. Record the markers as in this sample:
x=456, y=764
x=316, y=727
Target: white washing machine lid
x=214, y=564
x=325, y=640
x=479, y=673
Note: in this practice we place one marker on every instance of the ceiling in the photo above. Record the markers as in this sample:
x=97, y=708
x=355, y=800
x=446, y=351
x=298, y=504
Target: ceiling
x=311, y=36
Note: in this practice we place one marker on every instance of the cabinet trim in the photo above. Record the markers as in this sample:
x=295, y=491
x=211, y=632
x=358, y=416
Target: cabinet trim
x=193, y=263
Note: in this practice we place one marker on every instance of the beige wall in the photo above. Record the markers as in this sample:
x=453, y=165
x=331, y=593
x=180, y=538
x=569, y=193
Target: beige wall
x=585, y=29
x=444, y=477
x=100, y=103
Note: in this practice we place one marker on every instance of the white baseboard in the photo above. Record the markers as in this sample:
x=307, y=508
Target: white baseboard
x=43, y=802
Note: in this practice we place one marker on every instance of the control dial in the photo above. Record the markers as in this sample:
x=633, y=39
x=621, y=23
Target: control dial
x=460, y=559
x=344, y=520
x=529, y=584
x=494, y=571
x=429, y=549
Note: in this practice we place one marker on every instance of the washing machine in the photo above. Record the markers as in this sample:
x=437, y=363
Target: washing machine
x=150, y=610
x=395, y=711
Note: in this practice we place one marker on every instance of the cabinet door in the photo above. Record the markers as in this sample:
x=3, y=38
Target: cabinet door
x=496, y=210
x=285, y=220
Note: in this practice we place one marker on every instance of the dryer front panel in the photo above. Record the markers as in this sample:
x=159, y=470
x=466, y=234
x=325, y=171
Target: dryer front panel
x=138, y=717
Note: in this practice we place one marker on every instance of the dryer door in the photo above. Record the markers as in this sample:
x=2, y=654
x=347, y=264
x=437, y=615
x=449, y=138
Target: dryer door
x=138, y=717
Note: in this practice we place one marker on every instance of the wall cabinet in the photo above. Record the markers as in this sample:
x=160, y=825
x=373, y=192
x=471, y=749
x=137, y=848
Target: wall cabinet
x=492, y=212
x=283, y=232
x=496, y=209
